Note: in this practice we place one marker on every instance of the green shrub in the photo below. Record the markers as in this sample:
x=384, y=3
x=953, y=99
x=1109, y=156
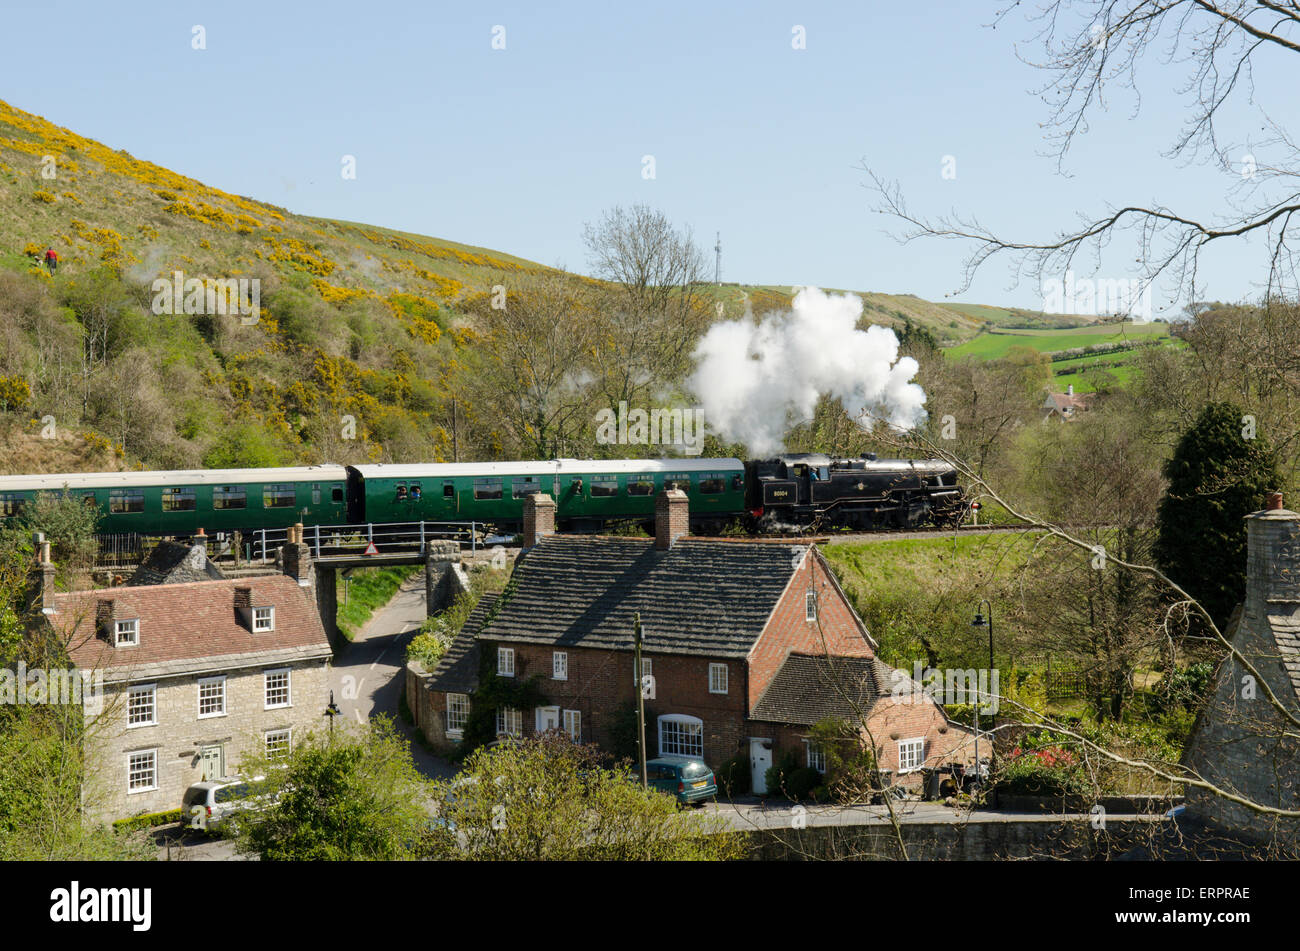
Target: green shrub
x=149, y=820
x=733, y=776
x=800, y=783
x=776, y=773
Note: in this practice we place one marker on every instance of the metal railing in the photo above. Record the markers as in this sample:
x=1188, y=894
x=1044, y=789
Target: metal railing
x=259, y=545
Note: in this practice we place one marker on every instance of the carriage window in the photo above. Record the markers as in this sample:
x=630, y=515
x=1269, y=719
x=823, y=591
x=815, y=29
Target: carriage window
x=180, y=499
x=712, y=485
x=487, y=489
x=449, y=490
x=315, y=494
x=416, y=494
x=336, y=494
x=604, y=488
x=125, y=501
x=229, y=497
x=641, y=485
x=525, y=486
x=401, y=492
x=682, y=482
x=279, y=496
x=11, y=503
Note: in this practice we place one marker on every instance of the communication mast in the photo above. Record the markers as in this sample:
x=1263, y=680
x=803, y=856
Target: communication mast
x=717, y=262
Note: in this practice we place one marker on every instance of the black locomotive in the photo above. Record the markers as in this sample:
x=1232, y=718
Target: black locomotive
x=803, y=491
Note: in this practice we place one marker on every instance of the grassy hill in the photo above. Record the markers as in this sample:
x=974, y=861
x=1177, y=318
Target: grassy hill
x=358, y=322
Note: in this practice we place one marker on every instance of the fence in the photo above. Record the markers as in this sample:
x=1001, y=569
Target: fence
x=1063, y=677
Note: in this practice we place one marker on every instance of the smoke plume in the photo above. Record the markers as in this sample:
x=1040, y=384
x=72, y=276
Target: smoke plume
x=754, y=379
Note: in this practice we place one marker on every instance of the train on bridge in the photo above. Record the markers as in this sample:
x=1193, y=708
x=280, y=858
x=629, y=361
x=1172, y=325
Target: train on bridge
x=793, y=492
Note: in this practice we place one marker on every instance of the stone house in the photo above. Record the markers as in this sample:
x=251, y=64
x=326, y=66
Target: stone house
x=1241, y=741
x=1065, y=406
x=732, y=630
x=195, y=674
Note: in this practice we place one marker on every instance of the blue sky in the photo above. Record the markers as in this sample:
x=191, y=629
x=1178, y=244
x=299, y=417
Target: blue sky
x=515, y=149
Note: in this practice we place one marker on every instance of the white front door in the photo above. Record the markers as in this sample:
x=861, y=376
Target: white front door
x=212, y=762
x=760, y=760
x=548, y=718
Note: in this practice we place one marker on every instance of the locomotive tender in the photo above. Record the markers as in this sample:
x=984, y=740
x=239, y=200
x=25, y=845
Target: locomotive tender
x=789, y=493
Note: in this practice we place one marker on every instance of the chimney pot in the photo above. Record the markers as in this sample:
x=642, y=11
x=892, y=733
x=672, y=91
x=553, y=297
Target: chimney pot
x=1275, y=500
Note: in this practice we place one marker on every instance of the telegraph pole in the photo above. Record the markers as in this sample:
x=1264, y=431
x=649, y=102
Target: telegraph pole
x=717, y=261
x=640, y=697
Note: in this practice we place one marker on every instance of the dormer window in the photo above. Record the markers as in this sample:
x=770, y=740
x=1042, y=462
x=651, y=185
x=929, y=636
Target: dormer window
x=126, y=633
x=263, y=620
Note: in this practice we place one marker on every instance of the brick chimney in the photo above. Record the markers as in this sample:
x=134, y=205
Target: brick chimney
x=539, y=518
x=295, y=558
x=1272, y=560
x=672, y=518
x=40, y=586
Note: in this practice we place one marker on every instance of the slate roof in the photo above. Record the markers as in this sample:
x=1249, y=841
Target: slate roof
x=809, y=688
x=704, y=596
x=174, y=563
x=457, y=670
x=191, y=622
x=1286, y=634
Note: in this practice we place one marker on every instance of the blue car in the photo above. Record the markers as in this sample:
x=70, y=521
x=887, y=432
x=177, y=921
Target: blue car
x=689, y=780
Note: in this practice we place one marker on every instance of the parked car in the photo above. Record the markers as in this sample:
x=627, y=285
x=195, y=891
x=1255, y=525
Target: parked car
x=689, y=780
x=209, y=805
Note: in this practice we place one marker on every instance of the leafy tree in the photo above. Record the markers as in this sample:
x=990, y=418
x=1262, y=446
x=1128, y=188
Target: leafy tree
x=549, y=799
x=69, y=526
x=1216, y=478
x=245, y=446
x=350, y=795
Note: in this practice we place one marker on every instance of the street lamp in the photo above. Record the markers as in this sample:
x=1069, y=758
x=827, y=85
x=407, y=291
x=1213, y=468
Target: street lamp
x=983, y=619
x=332, y=711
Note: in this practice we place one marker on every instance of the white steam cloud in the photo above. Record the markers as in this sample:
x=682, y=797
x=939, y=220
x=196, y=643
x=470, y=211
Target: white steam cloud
x=754, y=379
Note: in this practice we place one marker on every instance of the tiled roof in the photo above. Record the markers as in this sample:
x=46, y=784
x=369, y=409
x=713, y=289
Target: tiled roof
x=809, y=688
x=188, y=622
x=1286, y=634
x=457, y=670
x=703, y=596
x=174, y=563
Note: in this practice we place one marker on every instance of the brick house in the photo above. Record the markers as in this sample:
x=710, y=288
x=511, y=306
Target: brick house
x=194, y=674
x=1241, y=742
x=727, y=627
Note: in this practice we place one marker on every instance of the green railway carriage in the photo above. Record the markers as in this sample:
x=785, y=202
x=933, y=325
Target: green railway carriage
x=181, y=502
x=587, y=492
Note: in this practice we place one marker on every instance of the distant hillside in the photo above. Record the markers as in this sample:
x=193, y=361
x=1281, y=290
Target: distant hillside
x=359, y=325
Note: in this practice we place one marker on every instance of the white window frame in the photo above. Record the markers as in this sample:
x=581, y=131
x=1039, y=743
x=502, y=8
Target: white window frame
x=287, y=732
x=206, y=681
x=510, y=722
x=814, y=757
x=153, y=705
x=267, y=626
x=918, y=757
x=131, y=790
x=559, y=665
x=118, y=640
x=718, y=675
x=266, y=688
x=571, y=723
x=810, y=606
x=683, y=725
x=505, y=654
x=454, y=700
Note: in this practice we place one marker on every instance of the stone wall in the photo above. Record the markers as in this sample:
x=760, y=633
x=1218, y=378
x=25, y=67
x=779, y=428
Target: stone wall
x=444, y=577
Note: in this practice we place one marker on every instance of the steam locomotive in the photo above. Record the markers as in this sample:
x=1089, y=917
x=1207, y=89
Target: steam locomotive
x=797, y=491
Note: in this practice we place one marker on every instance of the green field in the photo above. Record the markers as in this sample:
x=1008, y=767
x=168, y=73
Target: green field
x=994, y=345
